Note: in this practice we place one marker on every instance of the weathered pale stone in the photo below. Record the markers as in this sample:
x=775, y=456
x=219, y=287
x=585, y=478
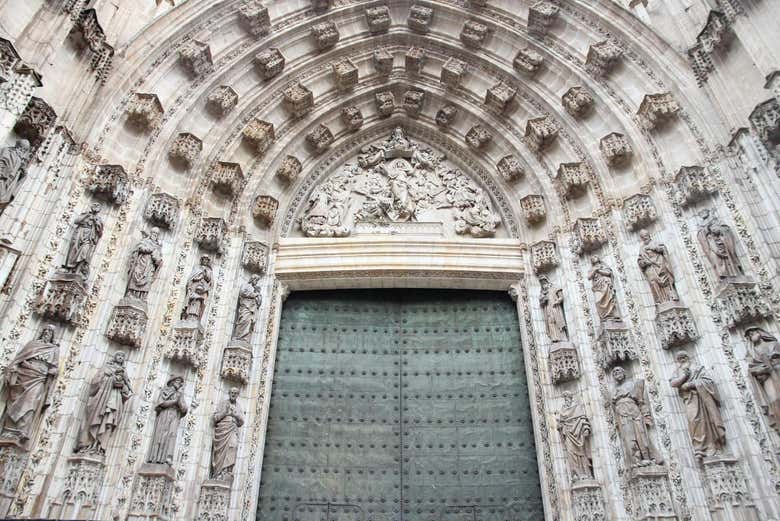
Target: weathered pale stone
x=541, y=16
x=639, y=211
x=478, y=137
x=577, y=101
x=588, y=236
x=693, y=185
x=420, y=18
x=162, y=210
x=378, y=19
x=414, y=60
x=325, y=35
x=297, y=100
x=533, y=207
x=383, y=61
x=474, y=34
x=222, y=100
x=259, y=135
x=290, y=169
x=264, y=209
x=413, y=102
x=345, y=73
x=528, y=61
x=320, y=138
x=211, y=233
x=352, y=118
x=573, y=179
x=385, y=103
x=452, y=72
x=446, y=115
x=500, y=97
x=254, y=17
x=603, y=57
x=540, y=133
x=657, y=109
x=544, y=256
x=509, y=168
x=226, y=178
x=185, y=150
x=110, y=183
x=195, y=56
x=616, y=149
x=269, y=63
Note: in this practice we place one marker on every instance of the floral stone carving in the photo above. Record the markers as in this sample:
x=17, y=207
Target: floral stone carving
x=254, y=17
x=616, y=149
x=255, y=256
x=741, y=302
x=413, y=102
x=211, y=232
x=588, y=235
x=445, y=116
x=639, y=211
x=573, y=179
x=289, y=169
x=196, y=58
x=383, y=61
x=533, y=207
x=346, y=73
x=474, y=34
x=765, y=120
x=541, y=16
x=82, y=486
x=320, y=138
x=385, y=103
x=222, y=100
x=675, y=325
x=63, y=297
x=588, y=501
x=325, y=35
x=540, y=133
x=162, y=210
x=500, y=97
x=152, y=494
x=297, y=100
x=186, y=344
x=651, y=494
x=369, y=192
x=12, y=462
x=603, y=57
x=259, y=135
x=693, y=185
x=728, y=493
x=420, y=18
x=452, y=72
x=264, y=209
x=614, y=344
x=509, y=168
x=478, y=137
x=186, y=149
x=35, y=122
x=544, y=257
x=352, y=118
x=110, y=183
x=127, y=325
x=88, y=35
x=657, y=109
x=214, y=500
x=226, y=178
x=564, y=362
x=414, y=60
x=236, y=364
x=269, y=63
x=716, y=36
x=378, y=19
x=145, y=111
x=528, y=61
x=577, y=101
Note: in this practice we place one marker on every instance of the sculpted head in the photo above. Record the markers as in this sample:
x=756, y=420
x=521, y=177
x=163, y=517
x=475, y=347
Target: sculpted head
x=645, y=236
x=96, y=208
x=682, y=359
x=757, y=335
x=154, y=233
x=23, y=145
x=47, y=334
x=176, y=382
x=619, y=374
x=594, y=260
x=545, y=282
x=120, y=357
x=568, y=398
x=233, y=394
x=205, y=260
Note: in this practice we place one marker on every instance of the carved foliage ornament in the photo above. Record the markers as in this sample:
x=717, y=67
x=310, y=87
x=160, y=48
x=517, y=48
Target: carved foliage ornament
x=36, y=121
x=254, y=17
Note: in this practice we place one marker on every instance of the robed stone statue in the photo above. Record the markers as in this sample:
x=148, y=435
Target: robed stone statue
x=654, y=262
x=143, y=265
x=87, y=230
x=246, y=311
x=603, y=287
x=764, y=367
x=702, y=407
x=12, y=163
x=551, y=302
x=575, y=429
x=108, y=395
x=228, y=418
x=719, y=245
x=29, y=380
x=170, y=408
x=632, y=417
x=198, y=288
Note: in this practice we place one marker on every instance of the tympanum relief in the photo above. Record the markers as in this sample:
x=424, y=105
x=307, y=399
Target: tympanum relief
x=393, y=185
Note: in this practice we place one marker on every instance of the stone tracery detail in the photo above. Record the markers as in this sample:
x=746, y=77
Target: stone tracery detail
x=254, y=17
x=196, y=58
x=109, y=182
x=577, y=101
x=186, y=149
x=222, y=100
x=269, y=63
x=162, y=210
x=401, y=181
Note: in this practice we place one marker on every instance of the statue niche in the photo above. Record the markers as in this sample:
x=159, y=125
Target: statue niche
x=393, y=184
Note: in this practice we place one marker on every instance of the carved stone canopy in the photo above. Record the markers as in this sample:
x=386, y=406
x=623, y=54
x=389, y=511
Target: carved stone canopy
x=399, y=186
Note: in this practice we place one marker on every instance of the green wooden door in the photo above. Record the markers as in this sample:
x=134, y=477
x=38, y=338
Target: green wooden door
x=399, y=405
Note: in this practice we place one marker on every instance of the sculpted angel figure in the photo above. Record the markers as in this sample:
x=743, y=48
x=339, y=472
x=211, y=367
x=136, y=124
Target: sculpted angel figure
x=87, y=230
x=551, y=302
x=29, y=381
x=575, y=429
x=702, y=407
x=603, y=287
x=144, y=264
x=198, y=288
x=719, y=245
x=764, y=367
x=227, y=419
x=633, y=419
x=654, y=262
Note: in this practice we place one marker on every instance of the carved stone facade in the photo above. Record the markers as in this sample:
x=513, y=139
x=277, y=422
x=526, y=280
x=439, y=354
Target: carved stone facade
x=162, y=210
x=588, y=235
x=211, y=232
x=269, y=63
x=378, y=19
x=573, y=179
x=528, y=61
x=226, y=178
x=657, y=109
x=297, y=100
x=510, y=169
x=186, y=149
x=196, y=58
x=452, y=72
x=320, y=138
x=145, y=111
x=352, y=118
x=541, y=16
x=478, y=137
x=500, y=96
x=325, y=35
x=616, y=149
x=290, y=169
x=222, y=100
x=534, y=208
x=259, y=135
x=385, y=103
x=577, y=101
x=110, y=183
x=639, y=211
x=414, y=60
x=540, y=133
x=544, y=256
x=420, y=18
x=345, y=73
x=254, y=17
x=603, y=57
x=474, y=34
x=693, y=185
x=265, y=209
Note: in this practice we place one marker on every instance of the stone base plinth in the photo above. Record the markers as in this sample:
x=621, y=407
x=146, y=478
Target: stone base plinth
x=728, y=495
x=675, y=325
x=127, y=325
x=13, y=458
x=152, y=493
x=587, y=500
x=82, y=486
x=564, y=362
x=614, y=343
x=740, y=302
x=187, y=343
x=651, y=494
x=214, y=499
x=63, y=297
x=236, y=362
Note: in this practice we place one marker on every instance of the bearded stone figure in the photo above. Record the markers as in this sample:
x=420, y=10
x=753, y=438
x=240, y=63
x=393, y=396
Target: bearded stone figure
x=170, y=409
x=765, y=369
x=575, y=429
x=227, y=420
x=144, y=264
x=551, y=302
x=719, y=245
x=702, y=407
x=29, y=381
x=198, y=288
x=654, y=262
x=88, y=228
x=246, y=312
x=12, y=162
x=108, y=395
x=603, y=287
x=633, y=419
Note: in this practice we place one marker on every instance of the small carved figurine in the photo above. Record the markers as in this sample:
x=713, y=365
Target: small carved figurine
x=633, y=418
x=654, y=262
x=12, y=162
x=246, y=312
x=228, y=418
x=575, y=429
x=603, y=287
x=198, y=288
x=170, y=409
x=88, y=228
x=765, y=368
x=554, y=316
x=719, y=245
x=144, y=264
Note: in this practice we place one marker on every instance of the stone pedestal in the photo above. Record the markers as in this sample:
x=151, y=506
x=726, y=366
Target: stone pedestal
x=152, y=493
x=13, y=458
x=214, y=499
x=63, y=297
x=187, y=343
x=82, y=486
x=675, y=325
x=652, y=497
x=587, y=500
x=237, y=361
x=614, y=344
x=728, y=495
x=740, y=302
x=128, y=322
x=564, y=362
